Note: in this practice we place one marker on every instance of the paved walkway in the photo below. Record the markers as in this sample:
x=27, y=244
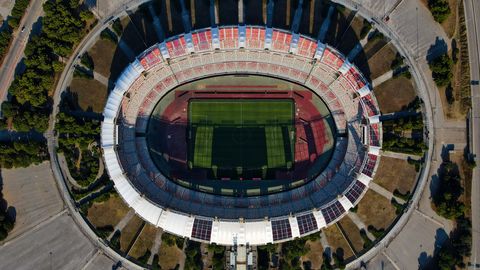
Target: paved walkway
x=122, y=223
x=100, y=78
x=385, y=193
x=156, y=245
x=360, y=225
x=326, y=246
x=382, y=78
x=399, y=155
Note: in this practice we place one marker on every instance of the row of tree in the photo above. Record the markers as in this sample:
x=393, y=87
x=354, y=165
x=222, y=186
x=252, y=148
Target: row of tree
x=6, y=35
x=62, y=28
x=21, y=153
x=448, y=204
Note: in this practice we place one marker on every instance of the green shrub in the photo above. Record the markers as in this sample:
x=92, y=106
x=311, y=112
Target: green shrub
x=441, y=68
x=440, y=9
x=108, y=35
x=87, y=61
x=367, y=26
x=117, y=27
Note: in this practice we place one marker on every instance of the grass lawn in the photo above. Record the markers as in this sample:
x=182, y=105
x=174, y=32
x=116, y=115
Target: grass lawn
x=145, y=241
x=315, y=255
x=106, y=213
x=376, y=210
x=394, y=94
x=394, y=173
x=381, y=62
x=257, y=130
x=102, y=54
x=352, y=233
x=90, y=94
x=129, y=233
x=169, y=257
x=337, y=241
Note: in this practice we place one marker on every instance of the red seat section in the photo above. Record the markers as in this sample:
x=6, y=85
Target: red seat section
x=355, y=79
x=229, y=38
x=151, y=58
x=281, y=41
x=255, y=38
x=331, y=59
x=202, y=41
x=306, y=47
x=369, y=105
x=177, y=47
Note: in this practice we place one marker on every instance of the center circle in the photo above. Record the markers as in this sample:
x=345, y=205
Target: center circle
x=241, y=135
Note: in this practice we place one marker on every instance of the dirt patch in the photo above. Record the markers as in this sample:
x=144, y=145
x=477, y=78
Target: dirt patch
x=91, y=95
x=337, y=242
x=169, y=257
x=376, y=210
x=352, y=232
x=130, y=232
x=102, y=54
x=315, y=255
x=381, y=61
x=107, y=213
x=394, y=94
x=145, y=241
x=394, y=173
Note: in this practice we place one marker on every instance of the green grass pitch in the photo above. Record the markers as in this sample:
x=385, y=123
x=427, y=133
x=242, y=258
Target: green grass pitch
x=241, y=133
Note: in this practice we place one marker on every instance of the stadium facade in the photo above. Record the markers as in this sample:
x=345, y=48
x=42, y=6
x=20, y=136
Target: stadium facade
x=254, y=220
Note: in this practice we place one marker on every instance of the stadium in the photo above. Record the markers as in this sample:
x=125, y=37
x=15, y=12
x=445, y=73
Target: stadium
x=215, y=135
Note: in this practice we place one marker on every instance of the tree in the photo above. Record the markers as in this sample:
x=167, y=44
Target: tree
x=442, y=70
x=440, y=9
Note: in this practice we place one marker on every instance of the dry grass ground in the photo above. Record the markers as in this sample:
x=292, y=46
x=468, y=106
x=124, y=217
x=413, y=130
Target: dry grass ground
x=352, y=232
x=169, y=257
x=461, y=75
x=373, y=46
x=144, y=241
x=394, y=94
x=376, y=210
x=315, y=255
x=102, y=54
x=393, y=173
x=91, y=94
x=337, y=241
x=106, y=213
x=129, y=232
x=381, y=61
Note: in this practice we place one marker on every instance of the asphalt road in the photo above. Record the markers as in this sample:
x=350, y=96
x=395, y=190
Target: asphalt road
x=472, y=13
x=20, y=39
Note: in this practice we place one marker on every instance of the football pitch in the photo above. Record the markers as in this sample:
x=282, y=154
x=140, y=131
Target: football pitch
x=241, y=134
